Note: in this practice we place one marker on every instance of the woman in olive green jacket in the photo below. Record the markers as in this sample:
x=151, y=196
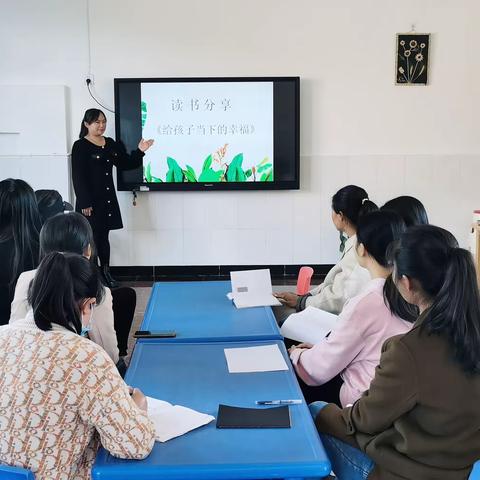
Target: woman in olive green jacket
x=420, y=419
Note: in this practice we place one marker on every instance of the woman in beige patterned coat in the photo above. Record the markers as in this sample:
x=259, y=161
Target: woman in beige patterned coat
x=60, y=394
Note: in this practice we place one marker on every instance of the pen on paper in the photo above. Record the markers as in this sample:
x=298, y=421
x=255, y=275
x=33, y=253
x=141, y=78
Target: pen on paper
x=294, y=401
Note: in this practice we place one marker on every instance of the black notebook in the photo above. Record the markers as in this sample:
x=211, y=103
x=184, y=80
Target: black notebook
x=238, y=417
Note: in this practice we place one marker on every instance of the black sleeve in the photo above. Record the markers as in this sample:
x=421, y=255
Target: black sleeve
x=302, y=302
x=123, y=161
x=81, y=176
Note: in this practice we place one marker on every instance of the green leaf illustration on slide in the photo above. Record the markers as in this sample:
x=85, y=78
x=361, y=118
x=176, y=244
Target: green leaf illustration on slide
x=267, y=176
x=190, y=174
x=213, y=170
x=210, y=175
x=144, y=113
x=175, y=173
x=262, y=168
x=235, y=172
x=148, y=172
x=207, y=163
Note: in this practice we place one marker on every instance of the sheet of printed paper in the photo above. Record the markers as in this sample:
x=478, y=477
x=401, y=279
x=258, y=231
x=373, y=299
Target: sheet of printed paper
x=266, y=358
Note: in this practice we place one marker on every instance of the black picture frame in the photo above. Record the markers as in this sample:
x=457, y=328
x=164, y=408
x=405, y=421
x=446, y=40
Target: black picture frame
x=412, y=59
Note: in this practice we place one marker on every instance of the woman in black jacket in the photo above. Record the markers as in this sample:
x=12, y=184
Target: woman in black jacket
x=93, y=157
x=19, y=228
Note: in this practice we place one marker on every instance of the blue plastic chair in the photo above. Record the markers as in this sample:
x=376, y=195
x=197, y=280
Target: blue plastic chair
x=475, y=475
x=15, y=473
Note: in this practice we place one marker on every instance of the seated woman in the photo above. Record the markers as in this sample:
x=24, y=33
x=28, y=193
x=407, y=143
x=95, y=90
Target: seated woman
x=352, y=349
x=347, y=278
x=19, y=227
x=420, y=417
x=409, y=208
x=50, y=203
x=61, y=395
x=70, y=232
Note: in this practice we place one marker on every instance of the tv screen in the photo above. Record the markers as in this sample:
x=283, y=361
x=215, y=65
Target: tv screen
x=210, y=133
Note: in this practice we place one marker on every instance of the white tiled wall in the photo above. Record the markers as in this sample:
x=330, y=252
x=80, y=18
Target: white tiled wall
x=285, y=227
x=357, y=126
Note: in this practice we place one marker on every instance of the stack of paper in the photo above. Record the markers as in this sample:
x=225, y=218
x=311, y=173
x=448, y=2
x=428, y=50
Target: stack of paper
x=311, y=325
x=173, y=420
x=267, y=358
x=252, y=288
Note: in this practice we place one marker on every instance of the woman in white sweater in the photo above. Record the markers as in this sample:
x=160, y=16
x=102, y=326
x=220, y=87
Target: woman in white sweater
x=347, y=278
x=70, y=232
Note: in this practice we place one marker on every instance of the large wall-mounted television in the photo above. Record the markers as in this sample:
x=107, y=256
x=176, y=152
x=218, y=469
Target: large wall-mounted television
x=210, y=133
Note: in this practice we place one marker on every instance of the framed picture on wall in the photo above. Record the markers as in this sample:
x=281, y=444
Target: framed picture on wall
x=412, y=59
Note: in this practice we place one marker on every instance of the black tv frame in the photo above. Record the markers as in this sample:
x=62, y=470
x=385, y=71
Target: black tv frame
x=123, y=185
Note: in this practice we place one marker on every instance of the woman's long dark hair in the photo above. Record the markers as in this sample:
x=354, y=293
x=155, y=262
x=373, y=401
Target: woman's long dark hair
x=66, y=232
x=376, y=231
x=446, y=275
x=353, y=202
x=91, y=115
x=20, y=221
x=409, y=208
x=61, y=283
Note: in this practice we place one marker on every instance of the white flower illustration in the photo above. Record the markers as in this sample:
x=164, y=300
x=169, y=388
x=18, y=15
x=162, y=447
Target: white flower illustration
x=413, y=43
x=418, y=57
x=402, y=42
x=406, y=53
x=422, y=45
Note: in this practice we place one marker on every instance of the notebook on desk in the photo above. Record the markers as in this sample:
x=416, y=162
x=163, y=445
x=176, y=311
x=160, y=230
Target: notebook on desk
x=239, y=417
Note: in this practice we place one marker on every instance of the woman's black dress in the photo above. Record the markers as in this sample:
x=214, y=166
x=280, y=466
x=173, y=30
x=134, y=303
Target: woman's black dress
x=93, y=185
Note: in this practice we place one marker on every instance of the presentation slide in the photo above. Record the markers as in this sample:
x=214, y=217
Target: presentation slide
x=208, y=131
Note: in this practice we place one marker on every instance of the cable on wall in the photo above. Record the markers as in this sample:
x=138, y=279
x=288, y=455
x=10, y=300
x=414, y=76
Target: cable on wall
x=89, y=76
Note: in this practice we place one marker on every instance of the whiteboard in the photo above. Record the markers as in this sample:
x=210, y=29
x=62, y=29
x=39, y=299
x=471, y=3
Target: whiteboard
x=33, y=136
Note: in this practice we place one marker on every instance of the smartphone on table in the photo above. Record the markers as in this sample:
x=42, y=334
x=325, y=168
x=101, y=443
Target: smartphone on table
x=149, y=334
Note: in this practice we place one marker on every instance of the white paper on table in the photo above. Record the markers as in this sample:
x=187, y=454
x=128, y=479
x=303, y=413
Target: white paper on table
x=252, y=288
x=267, y=358
x=174, y=420
x=311, y=325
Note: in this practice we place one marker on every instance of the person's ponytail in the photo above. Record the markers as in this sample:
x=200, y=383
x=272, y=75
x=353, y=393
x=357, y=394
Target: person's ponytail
x=353, y=202
x=397, y=304
x=377, y=231
x=367, y=207
x=83, y=130
x=455, y=311
x=60, y=284
x=444, y=276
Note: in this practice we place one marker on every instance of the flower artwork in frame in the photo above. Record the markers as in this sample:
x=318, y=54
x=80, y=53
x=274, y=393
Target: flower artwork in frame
x=412, y=59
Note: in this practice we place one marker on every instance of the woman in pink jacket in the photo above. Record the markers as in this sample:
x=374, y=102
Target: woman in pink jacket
x=352, y=350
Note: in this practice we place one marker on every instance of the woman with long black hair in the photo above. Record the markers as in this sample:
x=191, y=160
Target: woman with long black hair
x=71, y=233
x=420, y=417
x=409, y=208
x=353, y=347
x=19, y=229
x=93, y=157
x=61, y=393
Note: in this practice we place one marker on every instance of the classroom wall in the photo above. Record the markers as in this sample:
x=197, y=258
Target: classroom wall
x=357, y=126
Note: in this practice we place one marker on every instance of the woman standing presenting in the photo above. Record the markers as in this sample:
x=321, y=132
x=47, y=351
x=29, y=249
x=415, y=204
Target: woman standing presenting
x=93, y=157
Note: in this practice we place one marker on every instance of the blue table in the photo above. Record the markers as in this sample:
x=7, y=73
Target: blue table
x=200, y=311
x=196, y=375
